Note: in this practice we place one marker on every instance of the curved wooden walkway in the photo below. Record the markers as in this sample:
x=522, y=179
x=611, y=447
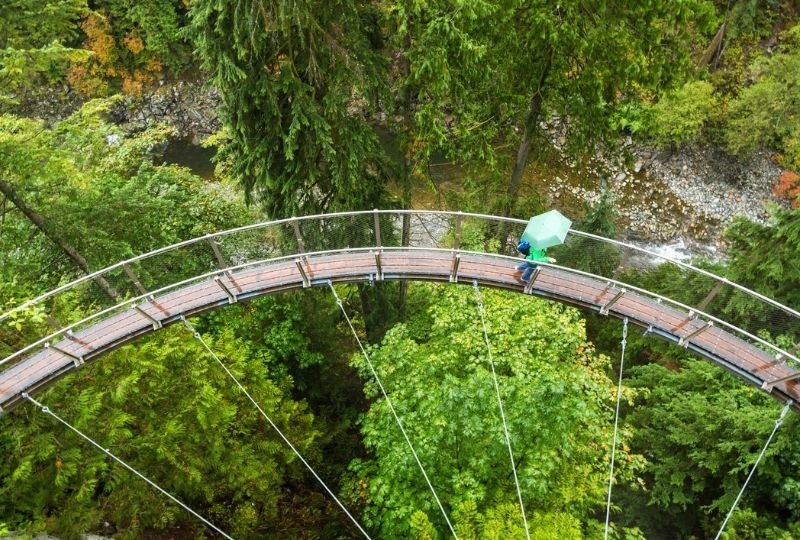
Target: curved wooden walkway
x=51, y=363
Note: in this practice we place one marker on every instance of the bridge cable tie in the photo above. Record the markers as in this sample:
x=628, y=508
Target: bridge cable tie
x=391, y=407
x=616, y=425
x=107, y=452
x=197, y=336
x=778, y=423
x=500, y=404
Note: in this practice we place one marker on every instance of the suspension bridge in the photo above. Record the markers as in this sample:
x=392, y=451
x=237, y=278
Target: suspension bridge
x=146, y=293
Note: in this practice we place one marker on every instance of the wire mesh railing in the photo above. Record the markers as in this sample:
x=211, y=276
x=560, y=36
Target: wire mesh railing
x=80, y=303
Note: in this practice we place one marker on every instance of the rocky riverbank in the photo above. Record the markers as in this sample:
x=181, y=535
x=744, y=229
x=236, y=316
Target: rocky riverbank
x=189, y=106
x=686, y=197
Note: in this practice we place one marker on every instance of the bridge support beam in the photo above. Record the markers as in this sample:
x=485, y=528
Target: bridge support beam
x=231, y=297
x=77, y=360
x=454, y=267
x=684, y=341
x=607, y=306
x=378, y=265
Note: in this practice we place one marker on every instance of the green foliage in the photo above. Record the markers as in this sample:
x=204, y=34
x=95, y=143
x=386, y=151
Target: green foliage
x=170, y=411
x=681, y=114
x=440, y=383
x=746, y=524
x=37, y=23
x=587, y=61
x=85, y=177
x=702, y=431
x=763, y=258
x=294, y=79
x=35, y=44
x=633, y=117
x=763, y=115
x=752, y=19
x=157, y=23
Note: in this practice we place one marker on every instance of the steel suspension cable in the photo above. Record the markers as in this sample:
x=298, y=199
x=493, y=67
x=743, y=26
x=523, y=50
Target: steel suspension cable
x=107, y=452
x=199, y=338
x=778, y=423
x=500, y=406
x=616, y=425
x=391, y=408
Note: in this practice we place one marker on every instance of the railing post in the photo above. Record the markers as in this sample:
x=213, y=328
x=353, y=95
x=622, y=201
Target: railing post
x=155, y=322
x=231, y=297
x=684, y=341
x=77, y=360
x=303, y=275
x=769, y=385
x=301, y=245
x=454, y=267
x=607, y=306
x=221, y=264
x=710, y=296
x=134, y=279
x=457, y=232
x=378, y=266
x=377, y=222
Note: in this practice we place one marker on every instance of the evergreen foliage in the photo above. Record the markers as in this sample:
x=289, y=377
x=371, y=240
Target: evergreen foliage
x=295, y=79
x=167, y=409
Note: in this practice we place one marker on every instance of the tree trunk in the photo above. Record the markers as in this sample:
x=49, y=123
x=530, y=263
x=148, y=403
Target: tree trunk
x=408, y=165
x=54, y=237
x=531, y=124
x=714, y=49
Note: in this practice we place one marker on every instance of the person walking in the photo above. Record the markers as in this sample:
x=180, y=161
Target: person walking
x=532, y=256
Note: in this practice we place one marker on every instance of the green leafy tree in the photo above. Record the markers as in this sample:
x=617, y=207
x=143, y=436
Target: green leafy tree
x=681, y=114
x=763, y=257
x=574, y=62
x=764, y=113
x=82, y=178
x=67, y=189
x=435, y=368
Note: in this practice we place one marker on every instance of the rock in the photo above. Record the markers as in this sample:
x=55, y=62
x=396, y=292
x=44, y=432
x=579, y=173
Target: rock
x=620, y=177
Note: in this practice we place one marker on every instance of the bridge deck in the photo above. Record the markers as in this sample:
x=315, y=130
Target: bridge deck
x=49, y=364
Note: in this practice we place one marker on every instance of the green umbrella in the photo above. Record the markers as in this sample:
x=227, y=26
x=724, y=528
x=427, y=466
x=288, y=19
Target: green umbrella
x=545, y=230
